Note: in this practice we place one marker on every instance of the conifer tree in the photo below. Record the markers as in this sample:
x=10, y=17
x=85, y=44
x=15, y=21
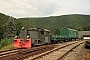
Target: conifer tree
x=10, y=29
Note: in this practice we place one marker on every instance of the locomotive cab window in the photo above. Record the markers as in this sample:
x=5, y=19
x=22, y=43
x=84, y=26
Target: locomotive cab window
x=42, y=32
x=46, y=33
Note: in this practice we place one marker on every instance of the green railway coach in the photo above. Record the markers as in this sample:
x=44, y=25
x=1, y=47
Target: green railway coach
x=68, y=34
x=54, y=38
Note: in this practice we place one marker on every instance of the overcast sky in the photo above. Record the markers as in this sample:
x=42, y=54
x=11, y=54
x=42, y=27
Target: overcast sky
x=43, y=8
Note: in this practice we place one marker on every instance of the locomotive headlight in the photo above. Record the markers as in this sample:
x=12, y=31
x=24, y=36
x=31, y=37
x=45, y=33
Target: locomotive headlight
x=22, y=28
x=28, y=36
x=16, y=37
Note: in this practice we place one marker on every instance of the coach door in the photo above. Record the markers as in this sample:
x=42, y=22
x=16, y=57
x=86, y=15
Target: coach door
x=47, y=37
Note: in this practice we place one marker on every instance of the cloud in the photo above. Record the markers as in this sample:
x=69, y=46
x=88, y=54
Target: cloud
x=42, y=7
x=28, y=7
x=39, y=8
x=73, y=7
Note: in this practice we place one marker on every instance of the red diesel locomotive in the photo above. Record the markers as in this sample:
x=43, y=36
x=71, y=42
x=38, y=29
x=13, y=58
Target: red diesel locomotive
x=20, y=43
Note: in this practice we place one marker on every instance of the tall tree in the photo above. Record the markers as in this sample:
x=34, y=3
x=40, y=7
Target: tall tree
x=10, y=29
x=19, y=25
x=46, y=27
x=79, y=28
x=2, y=30
x=87, y=27
x=57, y=31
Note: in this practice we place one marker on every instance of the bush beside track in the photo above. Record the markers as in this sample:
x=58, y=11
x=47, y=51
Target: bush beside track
x=5, y=43
x=10, y=46
x=87, y=44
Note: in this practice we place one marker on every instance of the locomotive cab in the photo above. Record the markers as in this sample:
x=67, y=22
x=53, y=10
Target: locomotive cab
x=39, y=36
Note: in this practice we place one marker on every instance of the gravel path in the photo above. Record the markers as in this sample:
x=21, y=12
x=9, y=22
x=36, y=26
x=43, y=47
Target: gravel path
x=56, y=54
x=75, y=54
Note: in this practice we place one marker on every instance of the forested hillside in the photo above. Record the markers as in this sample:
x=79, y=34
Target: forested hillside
x=74, y=21
x=3, y=20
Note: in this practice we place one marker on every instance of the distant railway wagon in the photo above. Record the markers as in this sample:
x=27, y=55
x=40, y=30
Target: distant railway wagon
x=55, y=38
x=66, y=34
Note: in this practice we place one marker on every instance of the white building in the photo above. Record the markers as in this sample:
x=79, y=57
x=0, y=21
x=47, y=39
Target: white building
x=84, y=34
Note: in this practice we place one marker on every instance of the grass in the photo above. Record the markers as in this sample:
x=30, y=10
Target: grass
x=7, y=47
x=88, y=50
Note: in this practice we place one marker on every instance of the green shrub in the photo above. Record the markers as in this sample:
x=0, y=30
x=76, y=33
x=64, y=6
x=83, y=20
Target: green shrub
x=4, y=42
x=8, y=47
x=87, y=44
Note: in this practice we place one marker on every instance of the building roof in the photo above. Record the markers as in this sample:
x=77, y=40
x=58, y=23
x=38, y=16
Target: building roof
x=84, y=32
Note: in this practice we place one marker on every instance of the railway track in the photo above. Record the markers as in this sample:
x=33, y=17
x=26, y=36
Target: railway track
x=57, y=53
x=7, y=52
x=34, y=53
x=21, y=54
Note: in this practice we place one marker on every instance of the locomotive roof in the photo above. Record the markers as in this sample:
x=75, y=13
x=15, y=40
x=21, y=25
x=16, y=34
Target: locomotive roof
x=47, y=30
x=32, y=28
x=39, y=29
x=69, y=29
x=72, y=29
